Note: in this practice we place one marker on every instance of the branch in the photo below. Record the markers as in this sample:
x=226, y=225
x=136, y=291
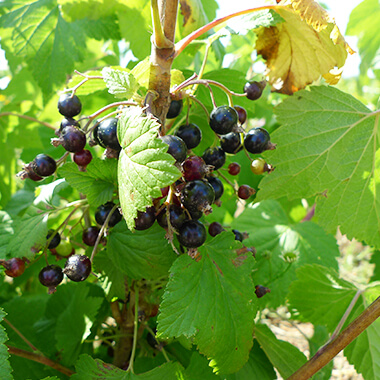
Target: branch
x=328, y=352
x=40, y=359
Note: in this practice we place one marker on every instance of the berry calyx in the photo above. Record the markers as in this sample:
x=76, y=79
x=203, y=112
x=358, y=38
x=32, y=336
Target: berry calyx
x=192, y=234
x=198, y=195
x=54, y=242
x=90, y=235
x=69, y=106
x=43, y=165
x=257, y=140
x=82, y=158
x=234, y=168
x=223, y=119
x=217, y=185
x=105, y=134
x=103, y=211
x=242, y=113
x=177, y=147
x=215, y=228
x=190, y=134
x=77, y=268
x=254, y=89
x=14, y=267
x=145, y=219
x=175, y=109
x=231, y=142
x=194, y=168
x=72, y=139
x=215, y=157
x=177, y=216
x=245, y=191
x=51, y=276
x=259, y=166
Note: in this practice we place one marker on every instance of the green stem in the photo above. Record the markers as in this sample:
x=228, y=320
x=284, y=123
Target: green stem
x=135, y=331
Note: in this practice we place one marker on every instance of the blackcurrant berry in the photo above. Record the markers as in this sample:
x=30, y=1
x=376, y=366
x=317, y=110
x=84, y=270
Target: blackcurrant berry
x=242, y=113
x=82, y=158
x=234, y=168
x=90, y=235
x=245, y=191
x=14, y=267
x=238, y=235
x=103, y=211
x=68, y=121
x=259, y=166
x=261, y=291
x=77, y=268
x=55, y=241
x=145, y=219
x=177, y=147
x=105, y=134
x=254, y=89
x=223, y=119
x=190, y=134
x=177, y=217
x=192, y=234
x=215, y=228
x=43, y=165
x=214, y=156
x=198, y=196
x=69, y=106
x=51, y=276
x=231, y=142
x=175, y=109
x=257, y=140
x=194, y=168
x=217, y=185
x=73, y=139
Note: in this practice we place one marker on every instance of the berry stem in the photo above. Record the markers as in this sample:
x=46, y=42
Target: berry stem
x=328, y=352
x=135, y=329
x=40, y=359
x=27, y=118
x=18, y=332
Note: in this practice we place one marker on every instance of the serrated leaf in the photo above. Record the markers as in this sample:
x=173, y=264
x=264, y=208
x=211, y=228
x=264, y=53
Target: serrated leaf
x=142, y=254
x=320, y=296
x=5, y=368
x=285, y=357
x=6, y=232
x=144, y=166
x=282, y=247
x=120, y=83
x=98, y=182
x=88, y=368
x=212, y=300
x=329, y=144
x=29, y=233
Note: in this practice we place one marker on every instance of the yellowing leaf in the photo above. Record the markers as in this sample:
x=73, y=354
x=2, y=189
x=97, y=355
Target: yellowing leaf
x=305, y=46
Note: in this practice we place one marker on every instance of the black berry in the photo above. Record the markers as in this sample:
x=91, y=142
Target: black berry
x=54, y=242
x=215, y=228
x=190, y=134
x=175, y=109
x=192, y=234
x=103, y=211
x=198, y=196
x=73, y=139
x=177, y=147
x=254, y=89
x=145, y=219
x=77, y=268
x=177, y=216
x=14, y=267
x=223, y=119
x=105, y=134
x=90, y=235
x=257, y=140
x=194, y=168
x=217, y=185
x=51, y=276
x=83, y=158
x=234, y=168
x=69, y=106
x=43, y=165
x=231, y=142
x=242, y=113
x=245, y=191
x=215, y=157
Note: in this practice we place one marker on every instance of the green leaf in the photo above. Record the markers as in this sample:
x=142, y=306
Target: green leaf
x=5, y=368
x=142, y=254
x=200, y=292
x=88, y=368
x=6, y=232
x=285, y=357
x=363, y=24
x=282, y=247
x=98, y=182
x=29, y=233
x=329, y=145
x=144, y=166
x=120, y=83
x=320, y=296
